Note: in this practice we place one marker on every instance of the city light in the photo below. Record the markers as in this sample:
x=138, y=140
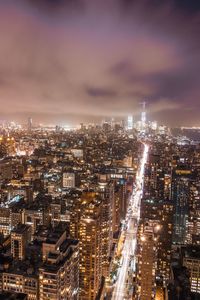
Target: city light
x=120, y=289
x=99, y=150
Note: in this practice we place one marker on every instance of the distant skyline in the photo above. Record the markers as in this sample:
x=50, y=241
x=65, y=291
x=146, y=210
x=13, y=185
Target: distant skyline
x=71, y=61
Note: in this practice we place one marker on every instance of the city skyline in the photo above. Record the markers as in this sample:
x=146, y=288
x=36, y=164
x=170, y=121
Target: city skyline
x=108, y=211
x=99, y=150
x=81, y=61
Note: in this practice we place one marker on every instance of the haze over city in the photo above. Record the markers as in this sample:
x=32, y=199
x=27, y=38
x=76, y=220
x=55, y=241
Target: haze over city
x=99, y=150
x=72, y=61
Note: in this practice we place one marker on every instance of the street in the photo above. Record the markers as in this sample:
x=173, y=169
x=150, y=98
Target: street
x=122, y=285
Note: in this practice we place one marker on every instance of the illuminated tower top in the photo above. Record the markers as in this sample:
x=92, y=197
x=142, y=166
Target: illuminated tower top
x=143, y=114
x=130, y=123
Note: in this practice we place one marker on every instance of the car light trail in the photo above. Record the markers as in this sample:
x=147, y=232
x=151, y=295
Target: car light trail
x=121, y=290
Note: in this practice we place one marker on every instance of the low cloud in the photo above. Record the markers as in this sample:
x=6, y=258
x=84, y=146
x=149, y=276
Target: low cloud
x=88, y=59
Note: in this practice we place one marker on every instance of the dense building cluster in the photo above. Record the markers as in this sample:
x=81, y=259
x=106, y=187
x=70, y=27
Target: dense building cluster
x=169, y=233
x=63, y=198
x=66, y=201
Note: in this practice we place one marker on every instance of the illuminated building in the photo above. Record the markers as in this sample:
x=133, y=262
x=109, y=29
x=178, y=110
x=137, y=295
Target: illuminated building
x=147, y=256
x=142, y=123
x=154, y=125
x=121, y=200
x=193, y=224
x=191, y=260
x=5, y=221
x=143, y=114
x=165, y=241
x=50, y=268
x=130, y=123
x=160, y=294
x=157, y=176
x=90, y=247
x=59, y=274
x=161, y=212
x=128, y=161
x=34, y=218
x=20, y=283
x=7, y=146
x=20, y=236
x=68, y=180
x=59, y=213
x=55, y=214
x=116, y=218
x=75, y=215
x=180, y=197
x=106, y=194
x=77, y=153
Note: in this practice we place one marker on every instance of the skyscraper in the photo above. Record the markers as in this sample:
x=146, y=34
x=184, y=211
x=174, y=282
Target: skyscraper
x=142, y=123
x=106, y=194
x=180, y=198
x=90, y=247
x=147, y=262
x=143, y=114
x=30, y=124
x=130, y=122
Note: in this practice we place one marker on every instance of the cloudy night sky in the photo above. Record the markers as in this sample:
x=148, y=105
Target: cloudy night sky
x=71, y=61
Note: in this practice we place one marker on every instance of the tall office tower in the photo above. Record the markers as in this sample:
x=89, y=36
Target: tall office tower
x=147, y=253
x=193, y=226
x=130, y=123
x=20, y=236
x=68, y=180
x=180, y=197
x=106, y=194
x=143, y=115
x=30, y=124
x=59, y=273
x=90, y=247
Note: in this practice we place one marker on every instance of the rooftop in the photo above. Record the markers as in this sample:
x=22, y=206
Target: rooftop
x=21, y=228
x=191, y=252
x=13, y=296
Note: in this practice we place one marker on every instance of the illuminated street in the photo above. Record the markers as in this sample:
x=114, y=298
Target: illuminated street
x=121, y=289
